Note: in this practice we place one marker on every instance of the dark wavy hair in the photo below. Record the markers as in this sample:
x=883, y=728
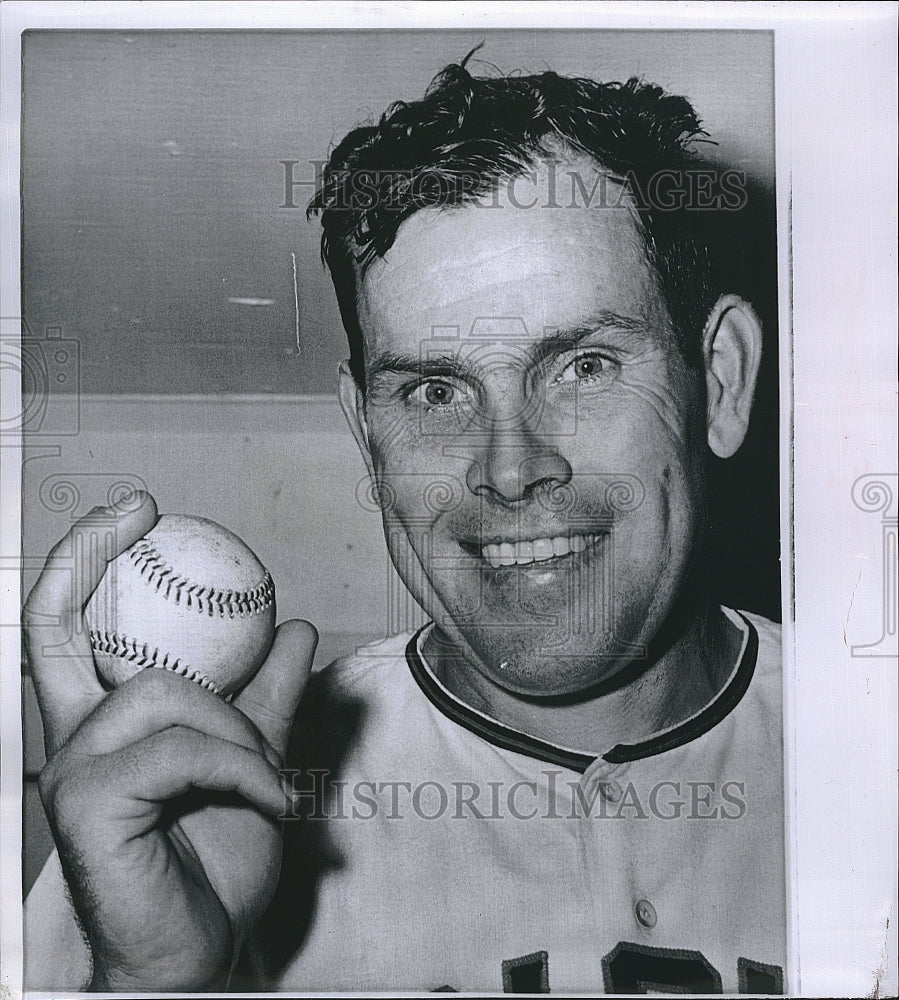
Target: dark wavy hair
x=468, y=134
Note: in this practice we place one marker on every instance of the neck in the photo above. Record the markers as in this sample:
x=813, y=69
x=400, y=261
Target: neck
x=688, y=664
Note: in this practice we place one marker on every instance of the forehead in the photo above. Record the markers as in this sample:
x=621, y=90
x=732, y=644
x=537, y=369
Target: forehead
x=497, y=265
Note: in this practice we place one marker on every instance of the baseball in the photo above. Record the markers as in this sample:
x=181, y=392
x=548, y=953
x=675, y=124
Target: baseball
x=189, y=597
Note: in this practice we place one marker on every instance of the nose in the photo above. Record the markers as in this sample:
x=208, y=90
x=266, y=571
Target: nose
x=513, y=460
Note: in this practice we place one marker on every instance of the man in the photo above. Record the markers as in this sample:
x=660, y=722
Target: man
x=571, y=779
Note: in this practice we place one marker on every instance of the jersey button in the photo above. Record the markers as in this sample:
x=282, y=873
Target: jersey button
x=646, y=913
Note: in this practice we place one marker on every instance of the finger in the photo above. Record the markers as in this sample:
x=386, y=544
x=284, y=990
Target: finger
x=56, y=642
x=179, y=760
x=77, y=562
x=154, y=700
x=271, y=698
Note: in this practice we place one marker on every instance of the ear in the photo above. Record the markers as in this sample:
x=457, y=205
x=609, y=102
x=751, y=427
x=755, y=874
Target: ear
x=732, y=350
x=352, y=402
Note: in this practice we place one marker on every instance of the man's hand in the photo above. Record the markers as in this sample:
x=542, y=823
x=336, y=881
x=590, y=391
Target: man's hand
x=162, y=797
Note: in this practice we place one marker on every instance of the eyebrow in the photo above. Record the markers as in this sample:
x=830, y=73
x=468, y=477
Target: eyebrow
x=635, y=331
x=432, y=366
x=450, y=366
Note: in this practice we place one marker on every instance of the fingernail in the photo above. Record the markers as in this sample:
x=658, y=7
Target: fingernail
x=127, y=503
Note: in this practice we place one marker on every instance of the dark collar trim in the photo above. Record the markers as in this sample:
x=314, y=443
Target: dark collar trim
x=510, y=739
x=489, y=729
x=705, y=720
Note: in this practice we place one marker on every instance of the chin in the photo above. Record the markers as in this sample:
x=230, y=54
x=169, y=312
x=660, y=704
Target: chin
x=541, y=673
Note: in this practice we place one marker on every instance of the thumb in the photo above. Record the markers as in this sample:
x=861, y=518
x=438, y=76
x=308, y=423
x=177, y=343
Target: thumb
x=56, y=641
x=271, y=698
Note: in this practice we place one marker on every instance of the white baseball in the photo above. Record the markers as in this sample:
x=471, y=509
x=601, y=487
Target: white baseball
x=189, y=597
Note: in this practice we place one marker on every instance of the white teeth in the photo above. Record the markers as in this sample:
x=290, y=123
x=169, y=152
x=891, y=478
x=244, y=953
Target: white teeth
x=543, y=549
x=524, y=553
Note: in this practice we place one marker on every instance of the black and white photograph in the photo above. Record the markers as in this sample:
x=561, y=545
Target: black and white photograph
x=453, y=465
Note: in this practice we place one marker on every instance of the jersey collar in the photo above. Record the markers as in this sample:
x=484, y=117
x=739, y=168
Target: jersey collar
x=577, y=760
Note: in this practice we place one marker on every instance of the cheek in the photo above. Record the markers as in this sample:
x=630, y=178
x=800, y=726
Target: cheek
x=653, y=422
x=634, y=433
x=651, y=432
x=395, y=452
x=668, y=409
x=413, y=486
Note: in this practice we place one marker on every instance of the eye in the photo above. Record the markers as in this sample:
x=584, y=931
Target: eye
x=434, y=393
x=586, y=367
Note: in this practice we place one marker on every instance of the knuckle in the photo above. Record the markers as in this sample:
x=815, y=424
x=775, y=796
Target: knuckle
x=62, y=795
x=164, y=688
x=148, y=682
x=162, y=685
x=263, y=711
x=33, y=613
x=47, y=782
x=181, y=741
x=29, y=607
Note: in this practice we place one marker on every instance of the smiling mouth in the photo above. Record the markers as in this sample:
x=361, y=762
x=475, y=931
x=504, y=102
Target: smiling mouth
x=536, y=550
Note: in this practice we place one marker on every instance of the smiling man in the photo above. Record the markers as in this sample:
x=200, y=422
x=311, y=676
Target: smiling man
x=577, y=763
x=571, y=778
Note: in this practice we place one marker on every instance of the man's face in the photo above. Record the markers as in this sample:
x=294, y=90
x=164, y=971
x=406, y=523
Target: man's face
x=538, y=441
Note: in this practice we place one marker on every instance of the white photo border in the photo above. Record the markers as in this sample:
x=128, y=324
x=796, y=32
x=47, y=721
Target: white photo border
x=835, y=100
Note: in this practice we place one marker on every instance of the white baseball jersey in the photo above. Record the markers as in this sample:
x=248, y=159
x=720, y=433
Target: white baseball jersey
x=441, y=849
x=438, y=849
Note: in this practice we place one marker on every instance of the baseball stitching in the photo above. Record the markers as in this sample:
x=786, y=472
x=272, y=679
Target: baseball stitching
x=142, y=656
x=234, y=603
